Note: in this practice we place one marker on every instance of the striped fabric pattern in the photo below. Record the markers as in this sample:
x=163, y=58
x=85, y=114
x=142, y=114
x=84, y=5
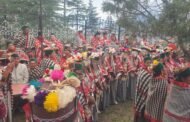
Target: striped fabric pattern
x=81, y=98
x=21, y=41
x=36, y=73
x=143, y=80
x=156, y=99
x=46, y=63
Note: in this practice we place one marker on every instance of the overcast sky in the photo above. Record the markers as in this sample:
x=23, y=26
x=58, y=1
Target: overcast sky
x=98, y=5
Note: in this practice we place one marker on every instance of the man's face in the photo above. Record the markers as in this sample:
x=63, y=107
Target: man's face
x=26, y=30
x=52, y=37
x=126, y=37
x=16, y=61
x=33, y=64
x=148, y=63
x=11, y=48
x=98, y=36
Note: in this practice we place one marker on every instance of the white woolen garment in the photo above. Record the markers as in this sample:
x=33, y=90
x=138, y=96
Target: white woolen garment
x=20, y=74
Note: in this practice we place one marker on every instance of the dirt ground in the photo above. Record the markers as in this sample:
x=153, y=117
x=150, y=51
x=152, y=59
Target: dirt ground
x=122, y=112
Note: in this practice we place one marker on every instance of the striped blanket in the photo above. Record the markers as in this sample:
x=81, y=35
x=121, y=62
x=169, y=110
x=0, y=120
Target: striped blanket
x=24, y=41
x=36, y=73
x=156, y=99
x=46, y=63
x=143, y=80
x=177, y=108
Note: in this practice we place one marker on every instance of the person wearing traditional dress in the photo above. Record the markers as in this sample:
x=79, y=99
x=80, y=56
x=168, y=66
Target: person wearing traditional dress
x=46, y=61
x=110, y=64
x=134, y=64
x=19, y=75
x=105, y=82
x=121, y=88
x=178, y=101
x=20, y=71
x=126, y=39
x=24, y=39
x=86, y=99
x=130, y=68
x=96, y=40
x=56, y=43
x=106, y=40
x=144, y=77
x=81, y=40
x=97, y=81
x=35, y=72
x=157, y=93
x=13, y=50
x=40, y=43
x=114, y=39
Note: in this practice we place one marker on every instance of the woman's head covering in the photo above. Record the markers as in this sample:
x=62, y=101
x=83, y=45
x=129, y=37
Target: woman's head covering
x=147, y=58
x=157, y=68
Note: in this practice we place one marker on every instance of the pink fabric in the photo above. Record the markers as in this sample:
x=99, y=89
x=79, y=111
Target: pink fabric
x=18, y=88
x=27, y=111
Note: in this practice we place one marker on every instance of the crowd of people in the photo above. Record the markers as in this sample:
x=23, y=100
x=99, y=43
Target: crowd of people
x=107, y=72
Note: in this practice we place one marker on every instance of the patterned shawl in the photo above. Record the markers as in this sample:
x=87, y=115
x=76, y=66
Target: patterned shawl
x=156, y=99
x=36, y=73
x=143, y=80
x=46, y=63
x=24, y=41
x=177, y=108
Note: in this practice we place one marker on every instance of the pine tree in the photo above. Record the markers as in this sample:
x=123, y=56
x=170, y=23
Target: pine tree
x=78, y=13
x=27, y=11
x=92, y=16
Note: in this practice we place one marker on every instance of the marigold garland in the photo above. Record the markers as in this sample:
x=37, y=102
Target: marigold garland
x=51, y=103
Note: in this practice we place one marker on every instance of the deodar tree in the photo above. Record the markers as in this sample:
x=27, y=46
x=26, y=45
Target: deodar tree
x=157, y=17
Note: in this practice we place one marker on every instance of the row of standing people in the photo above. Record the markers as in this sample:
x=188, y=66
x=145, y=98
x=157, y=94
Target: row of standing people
x=161, y=89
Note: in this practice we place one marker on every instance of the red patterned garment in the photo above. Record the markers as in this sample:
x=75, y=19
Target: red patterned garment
x=103, y=70
x=139, y=61
x=38, y=45
x=114, y=39
x=130, y=64
x=90, y=78
x=3, y=107
x=177, y=103
x=108, y=64
x=83, y=94
x=96, y=41
x=57, y=43
x=81, y=38
x=106, y=41
x=119, y=63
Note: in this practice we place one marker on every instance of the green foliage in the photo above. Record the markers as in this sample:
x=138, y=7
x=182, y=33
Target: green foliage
x=172, y=18
x=77, y=13
x=131, y=14
x=137, y=15
x=27, y=11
